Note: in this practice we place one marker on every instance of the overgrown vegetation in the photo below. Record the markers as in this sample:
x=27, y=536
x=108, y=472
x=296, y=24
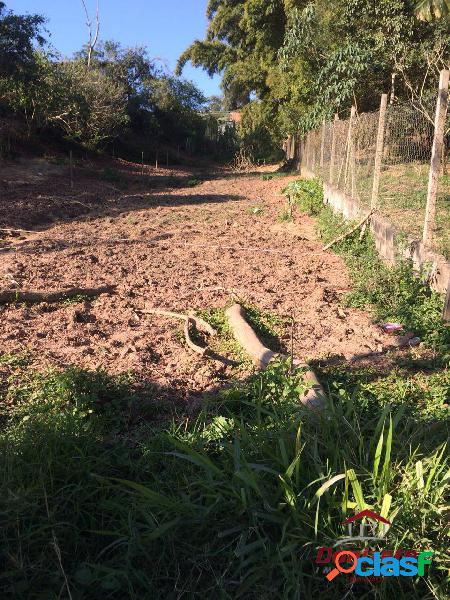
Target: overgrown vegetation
x=231, y=505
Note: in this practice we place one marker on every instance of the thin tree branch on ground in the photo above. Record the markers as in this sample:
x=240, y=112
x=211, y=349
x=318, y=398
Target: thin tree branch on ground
x=34, y=297
x=349, y=232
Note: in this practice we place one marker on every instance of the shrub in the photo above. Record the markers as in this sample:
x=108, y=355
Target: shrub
x=307, y=194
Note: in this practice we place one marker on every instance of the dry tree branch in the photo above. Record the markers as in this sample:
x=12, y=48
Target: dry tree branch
x=93, y=39
x=11, y=296
x=350, y=231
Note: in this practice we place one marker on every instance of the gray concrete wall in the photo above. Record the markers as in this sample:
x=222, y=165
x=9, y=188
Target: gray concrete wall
x=385, y=234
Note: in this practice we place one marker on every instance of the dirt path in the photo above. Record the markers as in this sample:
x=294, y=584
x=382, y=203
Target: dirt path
x=174, y=248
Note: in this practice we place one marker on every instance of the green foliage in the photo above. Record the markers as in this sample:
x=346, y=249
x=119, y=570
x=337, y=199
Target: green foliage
x=194, y=182
x=290, y=64
x=285, y=215
x=257, y=131
x=120, y=97
x=17, y=36
x=307, y=194
x=428, y=10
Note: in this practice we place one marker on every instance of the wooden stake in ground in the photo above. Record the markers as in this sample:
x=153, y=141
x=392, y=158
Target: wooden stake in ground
x=379, y=151
x=436, y=156
x=71, y=168
x=142, y=162
x=262, y=356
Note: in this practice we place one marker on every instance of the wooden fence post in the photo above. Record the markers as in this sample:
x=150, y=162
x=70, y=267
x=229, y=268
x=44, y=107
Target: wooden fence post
x=156, y=159
x=322, y=148
x=436, y=157
x=142, y=162
x=446, y=313
x=298, y=154
x=348, y=157
x=333, y=148
x=379, y=151
x=71, y=168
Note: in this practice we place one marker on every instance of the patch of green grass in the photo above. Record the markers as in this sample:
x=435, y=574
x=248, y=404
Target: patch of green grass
x=269, y=176
x=285, y=215
x=75, y=300
x=20, y=359
x=194, y=182
x=307, y=194
x=225, y=342
x=267, y=325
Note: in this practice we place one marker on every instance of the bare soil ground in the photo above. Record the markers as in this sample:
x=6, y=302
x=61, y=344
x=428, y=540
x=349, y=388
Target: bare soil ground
x=168, y=245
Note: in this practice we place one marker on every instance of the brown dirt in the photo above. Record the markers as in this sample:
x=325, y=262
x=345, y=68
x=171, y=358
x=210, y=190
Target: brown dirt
x=168, y=247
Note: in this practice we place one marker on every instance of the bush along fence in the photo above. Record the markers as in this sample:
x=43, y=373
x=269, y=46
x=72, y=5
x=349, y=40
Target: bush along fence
x=392, y=165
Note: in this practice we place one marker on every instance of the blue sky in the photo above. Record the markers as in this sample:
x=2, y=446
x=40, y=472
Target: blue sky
x=166, y=27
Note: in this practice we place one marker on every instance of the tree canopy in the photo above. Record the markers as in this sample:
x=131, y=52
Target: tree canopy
x=290, y=63
x=99, y=95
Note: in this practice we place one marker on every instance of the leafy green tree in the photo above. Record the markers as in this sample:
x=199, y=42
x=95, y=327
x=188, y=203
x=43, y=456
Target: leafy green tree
x=17, y=36
x=295, y=62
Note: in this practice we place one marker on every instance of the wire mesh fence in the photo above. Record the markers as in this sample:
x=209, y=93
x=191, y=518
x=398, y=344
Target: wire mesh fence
x=343, y=153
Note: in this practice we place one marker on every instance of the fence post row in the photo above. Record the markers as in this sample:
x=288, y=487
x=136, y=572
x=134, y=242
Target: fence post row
x=436, y=156
x=379, y=151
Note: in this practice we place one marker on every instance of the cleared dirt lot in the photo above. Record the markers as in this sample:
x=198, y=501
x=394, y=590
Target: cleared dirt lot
x=171, y=244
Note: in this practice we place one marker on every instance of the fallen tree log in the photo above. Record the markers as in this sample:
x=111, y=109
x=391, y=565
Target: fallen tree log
x=244, y=334
x=261, y=356
x=34, y=297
